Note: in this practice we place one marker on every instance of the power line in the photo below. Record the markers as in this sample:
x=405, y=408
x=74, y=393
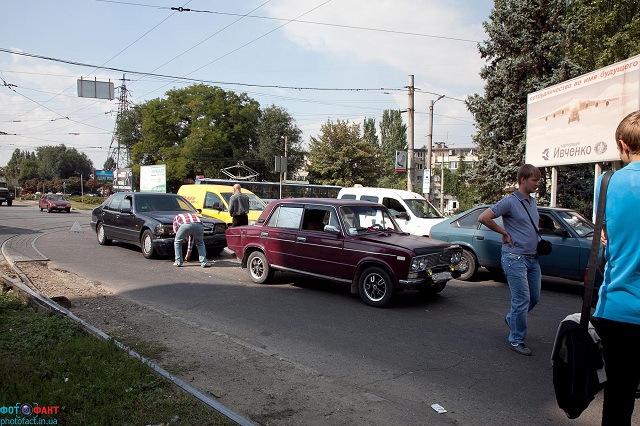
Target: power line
x=195, y=80
x=353, y=27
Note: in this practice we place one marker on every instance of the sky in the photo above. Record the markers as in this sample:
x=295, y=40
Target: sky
x=321, y=60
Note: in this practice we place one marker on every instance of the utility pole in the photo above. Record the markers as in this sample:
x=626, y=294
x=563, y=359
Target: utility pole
x=285, y=156
x=430, y=147
x=120, y=154
x=410, y=161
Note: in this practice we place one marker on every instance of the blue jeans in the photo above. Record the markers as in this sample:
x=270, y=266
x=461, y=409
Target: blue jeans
x=523, y=275
x=196, y=230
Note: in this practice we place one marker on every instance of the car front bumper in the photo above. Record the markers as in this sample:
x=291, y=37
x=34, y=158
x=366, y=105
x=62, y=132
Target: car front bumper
x=164, y=246
x=428, y=280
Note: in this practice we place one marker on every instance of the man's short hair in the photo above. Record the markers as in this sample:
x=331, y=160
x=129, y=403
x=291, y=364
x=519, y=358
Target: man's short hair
x=629, y=131
x=526, y=171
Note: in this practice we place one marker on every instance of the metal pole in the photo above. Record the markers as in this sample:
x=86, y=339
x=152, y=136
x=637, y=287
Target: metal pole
x=81, y=189
x=442, y=183
x=430, y=147
x=410, y=167
x=285, y=156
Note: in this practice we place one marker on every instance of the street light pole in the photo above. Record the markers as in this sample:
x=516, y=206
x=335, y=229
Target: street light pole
x=410, y=144
x=430, y=146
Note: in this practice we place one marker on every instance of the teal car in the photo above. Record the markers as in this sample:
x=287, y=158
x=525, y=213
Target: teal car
x=569, y=232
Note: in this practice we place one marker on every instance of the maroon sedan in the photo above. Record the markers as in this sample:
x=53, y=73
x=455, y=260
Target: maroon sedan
x=355, y=242
x=54, y=202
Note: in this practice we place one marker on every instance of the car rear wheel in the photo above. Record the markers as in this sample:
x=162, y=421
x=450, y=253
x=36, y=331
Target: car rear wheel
x=48, y=210
x=146, y=243
x=102, y=236
x=375, y=287
x=10, y=202
x=468, y=266
x=259, y=269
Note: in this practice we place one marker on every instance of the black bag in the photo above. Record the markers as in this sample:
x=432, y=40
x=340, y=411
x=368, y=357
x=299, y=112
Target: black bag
x=578, y=366
x=544, y=247
x=577, y=360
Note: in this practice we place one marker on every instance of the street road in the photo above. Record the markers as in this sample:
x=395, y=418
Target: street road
x=450, y=349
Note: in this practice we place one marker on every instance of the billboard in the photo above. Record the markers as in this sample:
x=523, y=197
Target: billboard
x=123, y=180
x=95, y=89
x=574, y=122
x=153, y=178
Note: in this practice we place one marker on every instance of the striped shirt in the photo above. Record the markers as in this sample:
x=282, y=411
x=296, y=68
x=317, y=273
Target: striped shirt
x=183, y=218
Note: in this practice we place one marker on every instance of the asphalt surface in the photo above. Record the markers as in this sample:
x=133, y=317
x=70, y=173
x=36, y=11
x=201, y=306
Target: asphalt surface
x=450, y=349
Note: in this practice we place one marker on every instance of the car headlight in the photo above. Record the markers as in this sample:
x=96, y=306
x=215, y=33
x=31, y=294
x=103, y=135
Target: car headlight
x=164, y=229
x=220, y=228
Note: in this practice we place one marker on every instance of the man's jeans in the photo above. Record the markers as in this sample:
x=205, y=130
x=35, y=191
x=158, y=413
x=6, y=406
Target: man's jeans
x=523, y=275
x=197, y=231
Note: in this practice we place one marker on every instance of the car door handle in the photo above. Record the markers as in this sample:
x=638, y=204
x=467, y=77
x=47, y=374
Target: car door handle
x=301, y=239
x=479, y=238
x=264, y=234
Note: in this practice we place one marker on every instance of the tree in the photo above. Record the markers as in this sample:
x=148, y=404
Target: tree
x=393, y=138
x=275, y=124
x=196, y=130
x=603, y=32
x=340, y=156
x=525, y=52
x=60, y=162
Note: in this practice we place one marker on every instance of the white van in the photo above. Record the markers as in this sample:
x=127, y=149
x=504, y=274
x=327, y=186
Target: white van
x=412, y=211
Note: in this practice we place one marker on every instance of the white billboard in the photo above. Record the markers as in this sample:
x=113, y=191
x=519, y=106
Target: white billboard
x=95, y=89
x=153, y=178
x=574, y=122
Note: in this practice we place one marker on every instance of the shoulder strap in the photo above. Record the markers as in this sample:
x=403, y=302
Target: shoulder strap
x=593, y=255
x=528, y=214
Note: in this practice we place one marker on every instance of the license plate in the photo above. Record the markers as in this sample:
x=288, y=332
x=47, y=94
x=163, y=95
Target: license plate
x=441, y=276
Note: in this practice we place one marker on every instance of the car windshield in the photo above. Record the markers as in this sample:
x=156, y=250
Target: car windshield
x=255, y=203
x=423, y=209
x=580, y=225
x=162, y=203
x=56, y=197
x=366, y=219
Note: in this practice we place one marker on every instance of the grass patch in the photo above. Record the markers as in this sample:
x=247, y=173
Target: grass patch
x=49, y=360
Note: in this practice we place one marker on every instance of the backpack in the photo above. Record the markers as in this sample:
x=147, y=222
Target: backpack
x=578, y=366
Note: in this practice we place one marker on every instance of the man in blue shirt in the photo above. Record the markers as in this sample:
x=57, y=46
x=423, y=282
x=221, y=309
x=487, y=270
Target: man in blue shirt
x=617, y=315
x=519, y=254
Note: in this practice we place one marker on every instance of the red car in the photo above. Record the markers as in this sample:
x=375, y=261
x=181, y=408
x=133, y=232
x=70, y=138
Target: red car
x=356, y=242
x=53, y=202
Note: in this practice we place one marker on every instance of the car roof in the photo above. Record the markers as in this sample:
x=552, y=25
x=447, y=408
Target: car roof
x=325, y=201
x=380, y=191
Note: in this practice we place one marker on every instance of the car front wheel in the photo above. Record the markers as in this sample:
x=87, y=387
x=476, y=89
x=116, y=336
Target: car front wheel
x=102, y=236
x=468, y=266
x=259, y=268
x=146, y=243
x=375, y=287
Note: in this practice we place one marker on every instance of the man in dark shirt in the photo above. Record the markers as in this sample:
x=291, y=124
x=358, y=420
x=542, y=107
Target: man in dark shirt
x=239, y=207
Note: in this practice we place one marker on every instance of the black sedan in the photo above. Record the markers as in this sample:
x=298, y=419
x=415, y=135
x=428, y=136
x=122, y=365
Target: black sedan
x=568, y=231
x=146, y=219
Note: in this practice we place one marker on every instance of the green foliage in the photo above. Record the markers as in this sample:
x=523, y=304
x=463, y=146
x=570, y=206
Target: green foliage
x=340, y=156
x=603, y=32
x=49, y=360
x=525, y=52
x=275, y=124
x=61, y=162
x=393, y=138
x=195, y=130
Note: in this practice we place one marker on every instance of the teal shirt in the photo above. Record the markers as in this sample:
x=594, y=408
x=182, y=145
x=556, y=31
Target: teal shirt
x=619, y=296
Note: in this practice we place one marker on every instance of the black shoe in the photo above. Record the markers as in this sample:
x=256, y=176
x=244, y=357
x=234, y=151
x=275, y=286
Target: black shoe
x=521, y=348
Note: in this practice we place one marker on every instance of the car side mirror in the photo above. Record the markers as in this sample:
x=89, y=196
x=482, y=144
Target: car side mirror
x=126, y=210
x=403, y=215
x=331, y=229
